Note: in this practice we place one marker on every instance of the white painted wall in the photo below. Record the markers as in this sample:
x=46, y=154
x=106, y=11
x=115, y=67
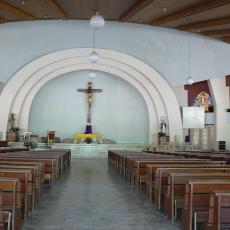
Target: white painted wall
x=166, y=50
x=181, y=95
x=119, y=113
x=1, y=86
x=221, y=94
x=160, y=99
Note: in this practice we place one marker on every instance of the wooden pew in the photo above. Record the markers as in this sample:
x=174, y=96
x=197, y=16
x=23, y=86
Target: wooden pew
x=219, y=210
x=61, y=157
x=51, y=170
x=156, y=168
x=64, y=154
x=124, y=157
x=5, y=217
x=12, y=149
x=213, y=155
x=151, y=169
x=34, y=184
x=132, y=163
x=196, y=204
x=175, y=194
x=38, y=169
x=25, y=176
x=115, y=157
x=161, y=179
x=12, y=200
x=2, y=224
x=21, y=176
x=55, y=161
x=139, y=167
x=119, y=159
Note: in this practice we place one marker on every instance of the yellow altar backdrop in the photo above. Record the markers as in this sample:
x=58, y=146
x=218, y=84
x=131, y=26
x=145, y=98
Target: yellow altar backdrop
x=80, y=136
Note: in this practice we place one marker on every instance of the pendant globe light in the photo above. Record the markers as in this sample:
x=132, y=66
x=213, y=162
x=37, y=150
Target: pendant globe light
x=92, y=74
x=97, y=22
x=94, y=57
x=189, y=79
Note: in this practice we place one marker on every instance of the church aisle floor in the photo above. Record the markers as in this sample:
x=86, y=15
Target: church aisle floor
x=91, y=196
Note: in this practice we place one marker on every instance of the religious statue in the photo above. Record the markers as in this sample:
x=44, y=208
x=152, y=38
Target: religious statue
x=11, y=121
x=203, y=99
x=26, y=139
x=89, y=91
x=163, y=126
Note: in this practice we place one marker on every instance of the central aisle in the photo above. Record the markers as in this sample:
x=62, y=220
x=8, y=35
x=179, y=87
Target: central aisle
x=91, y=196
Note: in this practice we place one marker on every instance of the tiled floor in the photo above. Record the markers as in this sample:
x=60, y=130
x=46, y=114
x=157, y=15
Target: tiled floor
x=91, y=196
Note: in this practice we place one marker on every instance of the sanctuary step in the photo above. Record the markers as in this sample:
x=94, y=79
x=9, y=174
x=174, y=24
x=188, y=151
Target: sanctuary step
x=88, y=150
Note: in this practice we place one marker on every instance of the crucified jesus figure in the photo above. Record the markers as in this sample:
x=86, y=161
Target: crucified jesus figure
x=89, y=91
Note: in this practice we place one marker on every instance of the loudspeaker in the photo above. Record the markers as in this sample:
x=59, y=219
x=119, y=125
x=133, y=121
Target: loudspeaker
x=222, y=145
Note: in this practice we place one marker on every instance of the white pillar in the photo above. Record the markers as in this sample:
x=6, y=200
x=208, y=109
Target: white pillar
x=221, y=97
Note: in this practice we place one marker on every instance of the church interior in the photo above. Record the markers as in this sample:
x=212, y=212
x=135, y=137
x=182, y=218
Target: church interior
x=115, y=114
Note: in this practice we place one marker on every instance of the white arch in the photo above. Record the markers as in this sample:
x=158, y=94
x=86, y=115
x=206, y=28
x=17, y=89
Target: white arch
x=26, y=105
x=42, y=73
x=21, y=89
x=24, y=117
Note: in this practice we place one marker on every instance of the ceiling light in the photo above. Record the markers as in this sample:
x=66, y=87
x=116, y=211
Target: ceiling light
x=190, y=80
x=23, y=2
x=94, y=57
x=97, y=21
x=92, y=75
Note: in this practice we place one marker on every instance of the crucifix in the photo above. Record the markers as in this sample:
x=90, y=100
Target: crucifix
x=89, y=91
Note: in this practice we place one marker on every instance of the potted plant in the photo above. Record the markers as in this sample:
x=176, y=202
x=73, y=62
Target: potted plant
x=88, y=140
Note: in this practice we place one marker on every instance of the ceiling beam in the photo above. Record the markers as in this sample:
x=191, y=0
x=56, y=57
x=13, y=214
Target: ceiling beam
x=195, y=9
x=134, y=9
x=58, y=8
x=216, y=32
x=2, y=20
x=16, y=11
x=204, y=24
x=226, y=39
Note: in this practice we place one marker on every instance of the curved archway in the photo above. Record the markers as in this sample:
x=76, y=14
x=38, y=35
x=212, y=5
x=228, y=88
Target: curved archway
x=21, y=89
x=24, y=114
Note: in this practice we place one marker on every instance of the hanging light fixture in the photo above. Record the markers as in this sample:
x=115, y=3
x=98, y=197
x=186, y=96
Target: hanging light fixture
x=92, y=74
x=94, y=57
x=97, y=21
x=189, y=79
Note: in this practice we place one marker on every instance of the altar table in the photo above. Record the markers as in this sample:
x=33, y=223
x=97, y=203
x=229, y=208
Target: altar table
x=80, y=136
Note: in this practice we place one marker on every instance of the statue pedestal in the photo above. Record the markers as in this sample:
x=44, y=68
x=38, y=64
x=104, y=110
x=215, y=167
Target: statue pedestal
x=163, y=138
x=12, y=136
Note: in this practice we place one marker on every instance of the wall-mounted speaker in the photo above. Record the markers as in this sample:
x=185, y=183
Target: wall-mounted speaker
x=222, y=145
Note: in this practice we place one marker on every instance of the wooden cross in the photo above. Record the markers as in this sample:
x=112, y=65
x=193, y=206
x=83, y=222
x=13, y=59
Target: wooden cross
x=89, y=91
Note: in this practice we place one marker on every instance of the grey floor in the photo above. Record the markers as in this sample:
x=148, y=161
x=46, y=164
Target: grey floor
x=92, y=196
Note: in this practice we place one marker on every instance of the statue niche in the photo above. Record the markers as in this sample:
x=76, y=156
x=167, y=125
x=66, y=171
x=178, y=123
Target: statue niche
x=203, y=99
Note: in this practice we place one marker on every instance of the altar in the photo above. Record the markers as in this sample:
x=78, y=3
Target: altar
x=88, y=137
x=79, y=137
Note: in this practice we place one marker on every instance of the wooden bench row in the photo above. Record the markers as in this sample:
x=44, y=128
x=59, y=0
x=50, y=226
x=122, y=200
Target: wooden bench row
x=22, y=174
x=177, y=183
